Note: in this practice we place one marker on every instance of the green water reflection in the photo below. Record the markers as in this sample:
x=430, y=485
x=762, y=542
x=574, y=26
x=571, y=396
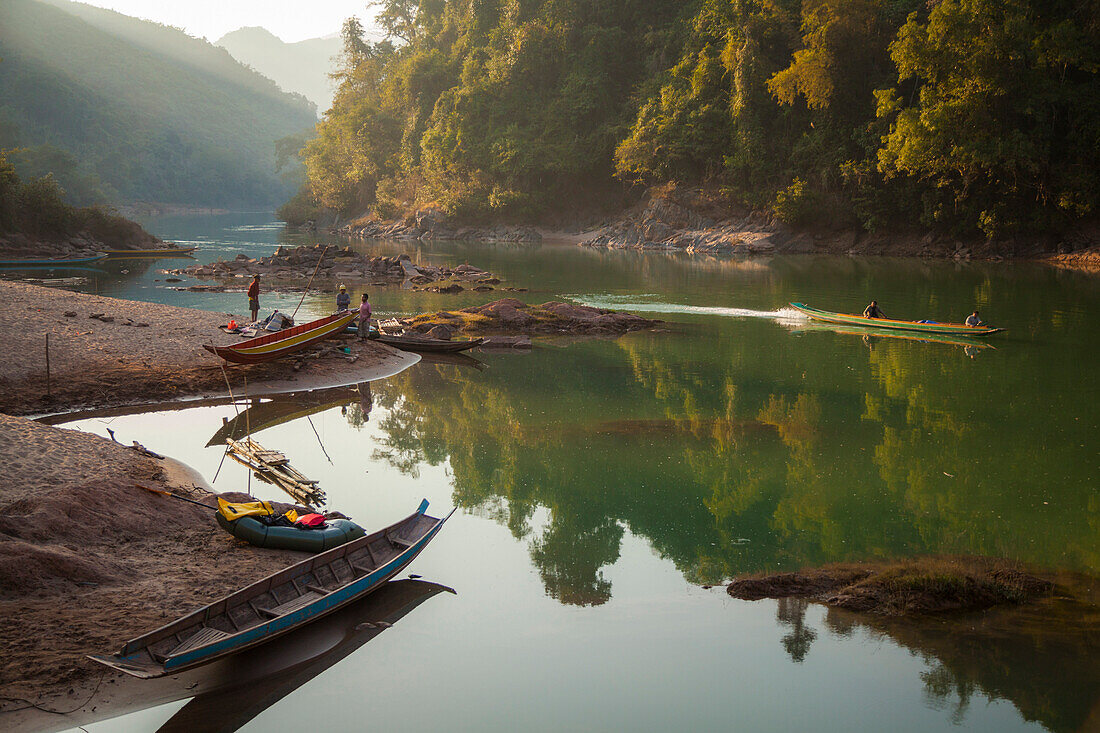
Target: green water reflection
x=745, y=448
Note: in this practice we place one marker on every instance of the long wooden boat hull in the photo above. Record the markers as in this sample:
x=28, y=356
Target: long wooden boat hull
x=847, y=319
x=279, y=603
x=164, y=252
x=431, y=346
x=280, y=343
x=871, y=332
x=227, y=693
x=52, y=263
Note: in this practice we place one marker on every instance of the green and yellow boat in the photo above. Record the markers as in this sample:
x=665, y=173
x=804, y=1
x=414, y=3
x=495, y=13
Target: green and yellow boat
x=847, y=319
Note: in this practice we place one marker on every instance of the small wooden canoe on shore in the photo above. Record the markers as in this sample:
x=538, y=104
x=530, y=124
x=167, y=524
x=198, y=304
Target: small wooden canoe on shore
x=279, y=603
x=52, y=263
x=954, y=329
x=162, y=252
x=280, y=343
x=420, y=343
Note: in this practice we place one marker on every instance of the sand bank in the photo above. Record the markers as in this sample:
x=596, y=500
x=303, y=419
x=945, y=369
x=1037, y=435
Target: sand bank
x=142, y=352
x=89, y=560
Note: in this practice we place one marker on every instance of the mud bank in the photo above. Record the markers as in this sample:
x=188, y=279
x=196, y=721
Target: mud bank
x=917, y=586
x=516, y=318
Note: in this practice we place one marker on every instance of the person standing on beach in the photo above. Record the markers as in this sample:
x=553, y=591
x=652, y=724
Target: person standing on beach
x=254, y=298
x=343, y=300
x=364, y=317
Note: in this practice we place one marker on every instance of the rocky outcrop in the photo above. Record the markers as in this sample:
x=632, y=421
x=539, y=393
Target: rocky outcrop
x=298, y=263
x=512, y=316
x=433, y=224
x=701, y=221
x=667, y=222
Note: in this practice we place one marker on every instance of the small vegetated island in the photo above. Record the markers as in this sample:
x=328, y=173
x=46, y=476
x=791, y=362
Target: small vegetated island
x=925, y=585
x=955, y=128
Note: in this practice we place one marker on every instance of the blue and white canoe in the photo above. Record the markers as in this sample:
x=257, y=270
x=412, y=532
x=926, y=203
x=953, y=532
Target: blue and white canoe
x=279, y=603
x=71, y=262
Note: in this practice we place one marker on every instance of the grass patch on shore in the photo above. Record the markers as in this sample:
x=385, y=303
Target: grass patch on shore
x=459, y=320
x=924, y=585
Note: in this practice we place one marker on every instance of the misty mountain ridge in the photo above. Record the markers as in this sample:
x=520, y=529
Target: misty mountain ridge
x=302, y=67
x=125, y=109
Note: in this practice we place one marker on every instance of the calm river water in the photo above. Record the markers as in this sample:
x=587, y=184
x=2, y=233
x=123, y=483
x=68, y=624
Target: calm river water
x=602, y=484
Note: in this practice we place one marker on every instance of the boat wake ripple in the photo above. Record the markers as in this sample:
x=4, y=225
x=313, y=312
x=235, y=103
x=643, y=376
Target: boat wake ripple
x=621, y=303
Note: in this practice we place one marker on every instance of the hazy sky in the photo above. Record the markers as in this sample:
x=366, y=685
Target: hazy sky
x=291, y=20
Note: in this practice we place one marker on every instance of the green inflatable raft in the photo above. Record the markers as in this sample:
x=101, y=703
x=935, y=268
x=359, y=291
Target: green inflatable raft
x=248, y=527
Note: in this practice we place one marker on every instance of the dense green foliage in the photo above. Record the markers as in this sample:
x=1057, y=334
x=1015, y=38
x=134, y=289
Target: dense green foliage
x=37, y=209
x=966, y=115
x=120, y=109
x=486, y=108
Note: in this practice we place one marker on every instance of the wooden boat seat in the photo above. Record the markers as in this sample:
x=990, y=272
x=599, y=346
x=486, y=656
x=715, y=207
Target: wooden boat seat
x=206, y=635
x=399, y=541
x=290, y=606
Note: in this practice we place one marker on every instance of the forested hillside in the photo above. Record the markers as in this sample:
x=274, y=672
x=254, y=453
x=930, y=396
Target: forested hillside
x=968, y=116
x=120, y=109
x=36, y=221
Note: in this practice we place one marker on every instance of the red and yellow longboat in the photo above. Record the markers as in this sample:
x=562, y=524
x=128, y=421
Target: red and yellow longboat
x=847, y=319
x=273, y=345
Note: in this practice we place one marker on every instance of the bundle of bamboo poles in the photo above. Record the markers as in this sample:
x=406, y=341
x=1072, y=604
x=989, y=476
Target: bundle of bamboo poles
x=274, y=468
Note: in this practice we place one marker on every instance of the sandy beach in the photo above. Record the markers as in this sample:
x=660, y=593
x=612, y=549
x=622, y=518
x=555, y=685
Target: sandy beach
x=98, y=363
x=88, y=559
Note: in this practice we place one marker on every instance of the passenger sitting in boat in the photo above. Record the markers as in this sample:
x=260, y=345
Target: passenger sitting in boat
x=973, y=320
x=873, y=311
x=343, y=300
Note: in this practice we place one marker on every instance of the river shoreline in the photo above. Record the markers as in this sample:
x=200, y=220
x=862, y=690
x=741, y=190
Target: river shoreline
x=697, y=221
x=90, y=559
x=106, y=352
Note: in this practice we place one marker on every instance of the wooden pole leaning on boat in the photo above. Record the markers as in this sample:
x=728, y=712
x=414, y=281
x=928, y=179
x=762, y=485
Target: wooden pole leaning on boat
x=310, y=283
x=175, y=496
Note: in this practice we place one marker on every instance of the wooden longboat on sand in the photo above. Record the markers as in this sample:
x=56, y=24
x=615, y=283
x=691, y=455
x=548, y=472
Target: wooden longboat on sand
x=280, y=602
x=280, y=343
x=847, y=319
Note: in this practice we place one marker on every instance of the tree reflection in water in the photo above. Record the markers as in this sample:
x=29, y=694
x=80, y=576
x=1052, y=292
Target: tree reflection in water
x=729, y=457
x=792, y=612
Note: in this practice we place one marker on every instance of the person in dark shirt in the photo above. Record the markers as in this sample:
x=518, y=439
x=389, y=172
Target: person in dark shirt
x=254, y=298
x=343, y=300
x=873, y=311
